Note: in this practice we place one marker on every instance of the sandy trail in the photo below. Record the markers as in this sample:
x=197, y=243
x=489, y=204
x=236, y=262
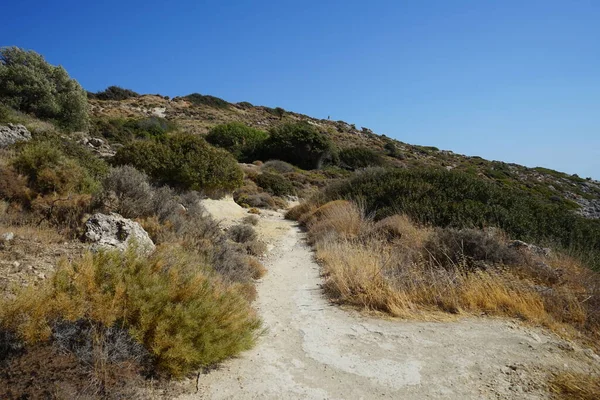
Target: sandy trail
x=314, y=350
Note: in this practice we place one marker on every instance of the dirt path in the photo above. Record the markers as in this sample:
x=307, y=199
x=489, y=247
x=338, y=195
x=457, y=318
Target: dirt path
x=314, y=350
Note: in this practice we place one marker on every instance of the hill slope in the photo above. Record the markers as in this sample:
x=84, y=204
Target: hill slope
x=197, y=114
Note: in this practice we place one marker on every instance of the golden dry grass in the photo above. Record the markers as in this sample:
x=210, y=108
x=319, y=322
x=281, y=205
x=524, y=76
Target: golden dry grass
x=383, y=266
x=575, y=386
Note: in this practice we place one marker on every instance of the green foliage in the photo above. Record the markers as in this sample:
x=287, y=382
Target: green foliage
x=113, y=93
x=275, y=184
x=125, y=130
x=55, y=165
x=240, y=140
x=207, y=100
x=458, y=200
x=183, y=161
x=298, y=143
x=171, y=303
x=359, y=157
x=29, y=84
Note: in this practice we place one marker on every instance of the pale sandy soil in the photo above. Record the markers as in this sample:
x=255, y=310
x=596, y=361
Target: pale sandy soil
x=315, y=350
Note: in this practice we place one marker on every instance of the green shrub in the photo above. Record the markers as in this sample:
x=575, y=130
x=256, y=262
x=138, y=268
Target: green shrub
x=240, y=140
x=459, y=200
x=171, y=303
x=113, y=93
x=278, y=166
x=298, y=143
x=207, y=100
x=184, y=161
x=359, y=157
x=29, y=84
x=54, y=165
x=125, y=130
x=275, y=184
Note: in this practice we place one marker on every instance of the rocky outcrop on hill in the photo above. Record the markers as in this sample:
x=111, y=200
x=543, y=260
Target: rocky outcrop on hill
x=113, y=232
x=11, y=133
x=98, y=146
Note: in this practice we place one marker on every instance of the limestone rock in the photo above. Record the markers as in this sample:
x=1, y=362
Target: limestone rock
x=10, y=134
x=113, y=232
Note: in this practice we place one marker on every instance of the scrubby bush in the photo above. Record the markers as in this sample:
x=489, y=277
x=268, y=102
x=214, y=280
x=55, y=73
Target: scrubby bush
x=359, y=157
x=114, y=93
x=128, y=192
x=240, y=140
x=469, y=248
x=242, y=233
x=170, y=303
x=299, y=143
x=125, y=130
x=207, y=100
x=183, y=161
x=459, y=200
x=250, y=220
x=278, y=166
x=275, y=184
x=53, y=165
x=28, y=83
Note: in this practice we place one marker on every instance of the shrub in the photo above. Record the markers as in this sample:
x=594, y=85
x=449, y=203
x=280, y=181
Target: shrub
x=250, y=220
x=278, y=166
x=133, y=195
x=58, y=166
x=184, y=161
x=298, y=143
x=207, y=100
x=28, y=83
x=359, y=157
x=469, y=248
x=13, y=187
x=459, y=200
x=240, y=140
x=242, y=233
x=169, y=303
x=275, y=184
x=125, y=130
x=114, y=93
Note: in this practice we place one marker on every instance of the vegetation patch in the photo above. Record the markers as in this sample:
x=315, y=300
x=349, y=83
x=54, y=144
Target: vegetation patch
x=206, y=100
x=240, y=140
x=183, y=161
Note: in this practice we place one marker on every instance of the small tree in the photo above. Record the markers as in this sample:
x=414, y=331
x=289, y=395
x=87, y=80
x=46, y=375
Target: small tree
x=28, y=83
x=298, y=143
x=240, y=140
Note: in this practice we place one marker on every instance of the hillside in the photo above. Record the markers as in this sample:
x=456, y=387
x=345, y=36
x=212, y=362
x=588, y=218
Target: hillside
x=582, y=195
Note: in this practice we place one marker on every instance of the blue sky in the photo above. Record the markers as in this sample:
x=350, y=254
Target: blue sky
x=517, y=81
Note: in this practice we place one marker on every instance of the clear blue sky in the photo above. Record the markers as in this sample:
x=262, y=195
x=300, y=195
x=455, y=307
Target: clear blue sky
x=517, y=81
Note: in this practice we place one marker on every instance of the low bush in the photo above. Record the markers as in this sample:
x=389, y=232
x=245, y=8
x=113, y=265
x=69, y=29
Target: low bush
x=470, y=248
x=359, y=157
x=125, y=130
x=240, y=140
x=275, y=184
x=128, y=192
x=207, y=100
x=183, y=161
x=54, y=165
x=298, y=143
x=459, y=200
x=114, y=93
x=170, y=303
x=250, y=220
x=277, y=166
x=242, y=233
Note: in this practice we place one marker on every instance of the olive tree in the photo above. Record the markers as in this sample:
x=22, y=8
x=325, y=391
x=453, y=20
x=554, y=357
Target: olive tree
x=30, y=84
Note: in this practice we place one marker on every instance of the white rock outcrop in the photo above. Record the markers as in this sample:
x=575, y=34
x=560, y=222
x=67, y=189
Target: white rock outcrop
x=113, y=232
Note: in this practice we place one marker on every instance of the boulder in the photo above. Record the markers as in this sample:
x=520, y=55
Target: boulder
x=113, y=232
x=10, y=134
x=540, y=251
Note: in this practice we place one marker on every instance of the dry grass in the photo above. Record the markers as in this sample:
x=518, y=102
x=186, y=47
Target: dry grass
x=575, y=386
x=387, y=266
